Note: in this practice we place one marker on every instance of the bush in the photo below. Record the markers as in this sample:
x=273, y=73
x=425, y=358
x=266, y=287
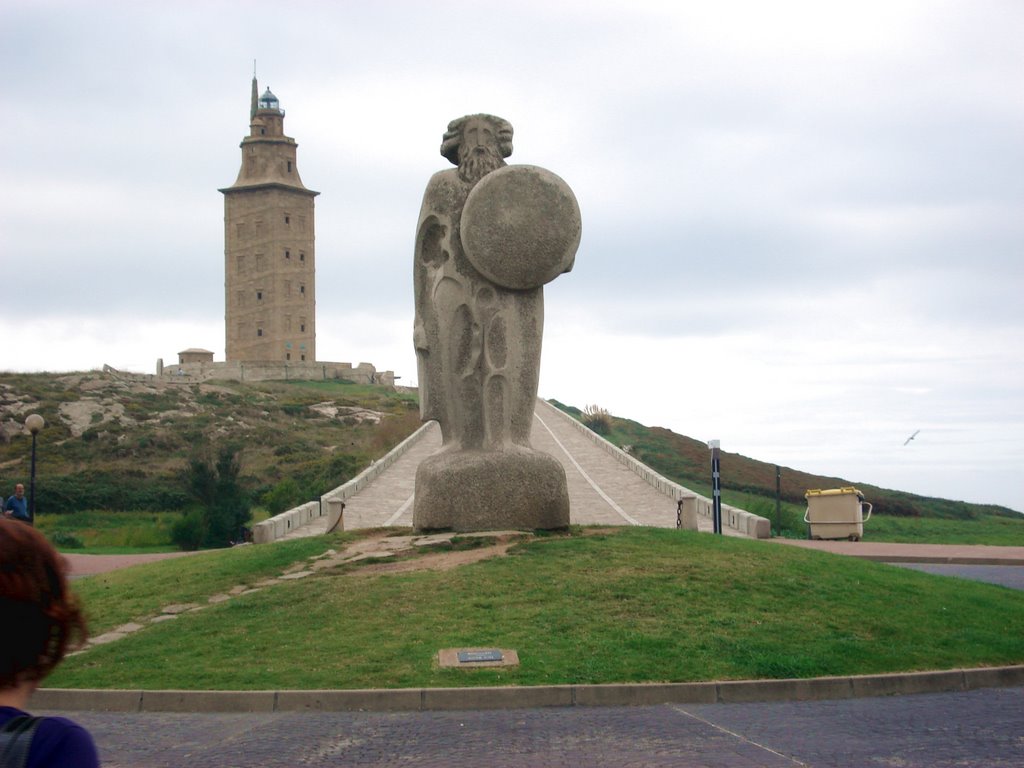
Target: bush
x=224, y=503
x=117, y=490
x=66, y=540
x=188, y=532
x=283, y=496
x=598, y=419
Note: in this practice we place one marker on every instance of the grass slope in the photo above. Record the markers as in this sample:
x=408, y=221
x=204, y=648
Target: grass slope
x=626, y=606
x=118, y=445
x=750, y=484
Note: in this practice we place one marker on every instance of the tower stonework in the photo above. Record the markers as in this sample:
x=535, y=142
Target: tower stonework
x=269, y=256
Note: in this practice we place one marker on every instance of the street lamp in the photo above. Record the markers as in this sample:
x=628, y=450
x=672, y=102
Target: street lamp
x=34, y=423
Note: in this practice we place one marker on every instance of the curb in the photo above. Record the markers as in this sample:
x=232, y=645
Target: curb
x=932, y=560
x=609, y=695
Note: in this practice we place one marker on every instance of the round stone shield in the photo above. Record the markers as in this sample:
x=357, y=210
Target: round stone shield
x=521, y=226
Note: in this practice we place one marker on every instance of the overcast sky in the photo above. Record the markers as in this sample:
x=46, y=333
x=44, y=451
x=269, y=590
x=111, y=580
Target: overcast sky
x=803, y=222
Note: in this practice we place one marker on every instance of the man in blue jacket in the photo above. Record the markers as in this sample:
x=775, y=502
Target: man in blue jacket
x=17, y=505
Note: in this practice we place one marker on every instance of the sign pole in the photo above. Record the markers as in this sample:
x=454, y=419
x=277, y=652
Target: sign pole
x=778, y=500
x=716, y=486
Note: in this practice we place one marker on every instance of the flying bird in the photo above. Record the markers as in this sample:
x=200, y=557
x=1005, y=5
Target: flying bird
x=907, y=441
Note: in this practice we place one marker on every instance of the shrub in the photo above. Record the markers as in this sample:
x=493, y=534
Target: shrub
x=188, y=532
x=283, y=496
x=597, y=418
x=66, y=539
x=115, y=489
x=224, y=503
x=394, y=429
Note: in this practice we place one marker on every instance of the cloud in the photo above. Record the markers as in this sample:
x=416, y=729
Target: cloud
x=801, y=220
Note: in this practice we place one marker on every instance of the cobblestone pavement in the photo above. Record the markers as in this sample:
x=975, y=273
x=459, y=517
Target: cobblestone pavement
x=976, y=728
x=1005, y=575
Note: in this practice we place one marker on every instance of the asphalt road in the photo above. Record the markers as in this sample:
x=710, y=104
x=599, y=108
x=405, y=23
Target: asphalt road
x=1011, y=576
x=976, y=728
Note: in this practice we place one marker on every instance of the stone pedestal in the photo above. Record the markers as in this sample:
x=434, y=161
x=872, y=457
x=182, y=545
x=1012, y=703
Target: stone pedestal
x=490, y=491
x=688, y=518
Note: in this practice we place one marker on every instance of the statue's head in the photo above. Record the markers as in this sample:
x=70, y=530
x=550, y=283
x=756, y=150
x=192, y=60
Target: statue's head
x=478, y=144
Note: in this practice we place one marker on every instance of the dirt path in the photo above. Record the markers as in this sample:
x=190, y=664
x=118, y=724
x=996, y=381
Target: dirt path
x=89, y=565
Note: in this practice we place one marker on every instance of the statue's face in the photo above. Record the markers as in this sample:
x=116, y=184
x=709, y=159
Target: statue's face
x=478, y=137
x=479, y=151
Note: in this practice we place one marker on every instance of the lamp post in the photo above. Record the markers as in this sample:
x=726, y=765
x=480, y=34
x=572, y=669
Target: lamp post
x=34, y=423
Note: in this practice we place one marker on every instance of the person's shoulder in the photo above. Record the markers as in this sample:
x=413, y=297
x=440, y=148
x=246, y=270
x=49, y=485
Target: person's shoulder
x=63, y=742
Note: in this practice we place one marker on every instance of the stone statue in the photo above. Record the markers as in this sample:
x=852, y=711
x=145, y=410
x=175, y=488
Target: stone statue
x=490, y=236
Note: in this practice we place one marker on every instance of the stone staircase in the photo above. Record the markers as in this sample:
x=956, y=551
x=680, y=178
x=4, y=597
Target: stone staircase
x=606, y=487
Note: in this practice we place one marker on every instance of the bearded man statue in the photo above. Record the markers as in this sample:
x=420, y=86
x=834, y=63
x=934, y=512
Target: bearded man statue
x=490, y=236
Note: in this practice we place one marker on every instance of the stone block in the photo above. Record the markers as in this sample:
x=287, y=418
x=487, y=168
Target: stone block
x=378, y=700
x=619, y=695
x=497, y=698
x=112, y=700
x=207, y=701
x=335, y=514
x=689, y=517
x=813, y=689
x=490, y=490
x=994, y=677
x=758, y=527
x=903, y=683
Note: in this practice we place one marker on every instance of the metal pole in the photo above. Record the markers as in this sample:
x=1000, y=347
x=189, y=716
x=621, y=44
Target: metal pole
x=778, y=499
x=32, y=485
x=33, y=423
x=716, y=487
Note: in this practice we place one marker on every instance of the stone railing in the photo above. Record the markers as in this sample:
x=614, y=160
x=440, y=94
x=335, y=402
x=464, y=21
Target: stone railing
x=368, y=475
x=279, y=526
x=188, y=373
x=747, y=523
x=331, y=503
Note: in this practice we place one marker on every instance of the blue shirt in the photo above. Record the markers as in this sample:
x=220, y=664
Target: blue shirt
x=18, y=506
x=58, y=743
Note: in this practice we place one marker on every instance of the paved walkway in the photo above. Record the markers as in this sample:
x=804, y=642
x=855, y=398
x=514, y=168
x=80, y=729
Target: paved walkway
x=974, y=728
x=959, y=554
x=89, y=565
x=602, y=491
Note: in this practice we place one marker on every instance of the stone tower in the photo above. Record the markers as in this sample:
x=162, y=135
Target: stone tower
x=269, y=258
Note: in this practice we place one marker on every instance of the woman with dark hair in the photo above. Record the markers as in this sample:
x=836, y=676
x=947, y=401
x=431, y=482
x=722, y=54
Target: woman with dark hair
x=39, y=620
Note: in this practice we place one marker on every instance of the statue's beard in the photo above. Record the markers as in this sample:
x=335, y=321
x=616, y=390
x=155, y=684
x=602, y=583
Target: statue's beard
x=476, y=164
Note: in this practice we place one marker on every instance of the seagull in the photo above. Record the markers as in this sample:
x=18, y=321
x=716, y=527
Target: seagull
x=907, y=441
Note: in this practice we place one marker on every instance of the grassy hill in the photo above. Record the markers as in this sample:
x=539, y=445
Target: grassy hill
x=117, y=444
x=587, y=606
x=687, y=461
x=751, y=484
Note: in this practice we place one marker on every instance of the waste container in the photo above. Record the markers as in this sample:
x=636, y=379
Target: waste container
x=836, y=513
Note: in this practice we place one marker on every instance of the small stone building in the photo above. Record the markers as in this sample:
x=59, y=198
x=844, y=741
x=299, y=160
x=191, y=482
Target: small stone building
x=194, y=355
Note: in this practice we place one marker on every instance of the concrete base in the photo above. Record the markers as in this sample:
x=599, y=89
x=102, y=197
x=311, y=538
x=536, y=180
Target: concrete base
x=518, y=488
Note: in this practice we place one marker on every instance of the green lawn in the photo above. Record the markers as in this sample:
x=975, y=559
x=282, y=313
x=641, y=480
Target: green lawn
x=986, y=529
x=114, y=598
x=103, y=532
x=632, y=605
